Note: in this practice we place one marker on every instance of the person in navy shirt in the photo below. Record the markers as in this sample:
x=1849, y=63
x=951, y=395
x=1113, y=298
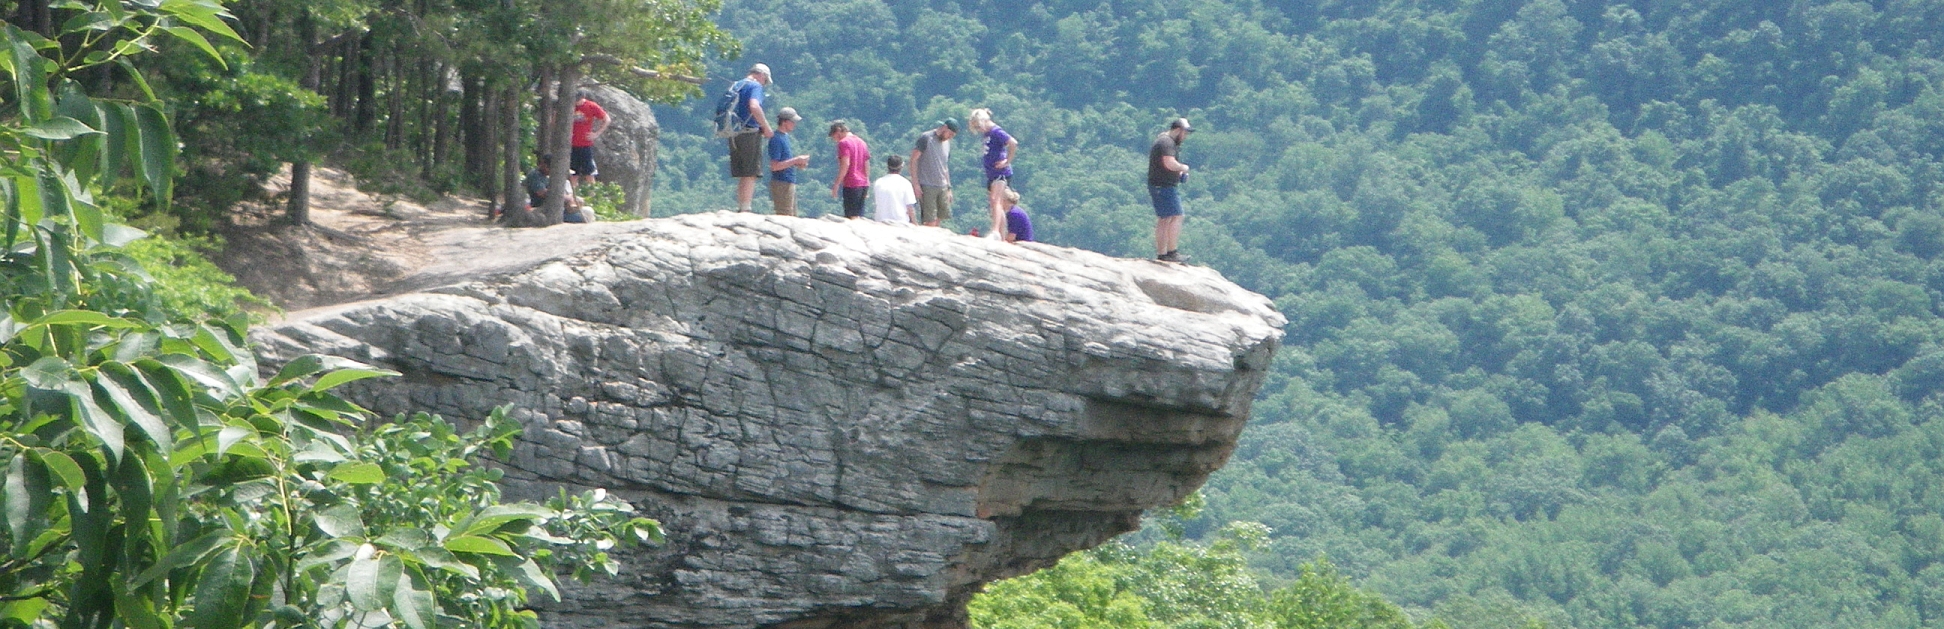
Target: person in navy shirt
x=784, y=164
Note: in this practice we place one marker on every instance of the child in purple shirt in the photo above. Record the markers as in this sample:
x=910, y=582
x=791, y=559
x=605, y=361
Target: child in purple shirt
x=1019, y=228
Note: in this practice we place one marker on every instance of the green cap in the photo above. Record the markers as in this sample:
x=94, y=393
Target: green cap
x=949, y=123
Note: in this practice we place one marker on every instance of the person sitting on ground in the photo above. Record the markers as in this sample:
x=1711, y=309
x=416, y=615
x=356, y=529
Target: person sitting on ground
x=1019, y=228
x=536, y=188
x=892, y=194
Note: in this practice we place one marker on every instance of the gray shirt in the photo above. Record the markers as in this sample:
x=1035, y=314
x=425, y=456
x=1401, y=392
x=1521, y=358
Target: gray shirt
x=932, y=171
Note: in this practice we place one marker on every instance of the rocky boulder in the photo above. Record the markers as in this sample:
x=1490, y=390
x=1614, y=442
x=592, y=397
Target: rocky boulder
x=841, y=423
x=625, y=154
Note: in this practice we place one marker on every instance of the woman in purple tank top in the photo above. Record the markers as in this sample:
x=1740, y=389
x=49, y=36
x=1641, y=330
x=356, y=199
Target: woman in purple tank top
x=998, y=160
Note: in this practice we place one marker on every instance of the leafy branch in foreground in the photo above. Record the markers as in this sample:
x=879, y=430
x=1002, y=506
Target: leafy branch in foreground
x=153, y=478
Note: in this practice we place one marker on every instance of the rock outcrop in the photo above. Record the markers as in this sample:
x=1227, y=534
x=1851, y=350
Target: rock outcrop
x=841, y=423
x=626, y=152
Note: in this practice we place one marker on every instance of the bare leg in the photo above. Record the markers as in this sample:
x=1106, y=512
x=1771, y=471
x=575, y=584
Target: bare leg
x=1161, y=236
x=996, y=199
x=745, y=192
x=1173, y=232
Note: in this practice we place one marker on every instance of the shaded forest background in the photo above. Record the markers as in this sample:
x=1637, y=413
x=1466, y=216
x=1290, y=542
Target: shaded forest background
x=1603, y=314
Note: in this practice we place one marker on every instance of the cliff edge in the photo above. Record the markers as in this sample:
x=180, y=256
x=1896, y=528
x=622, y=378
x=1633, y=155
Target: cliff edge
x=841, y=423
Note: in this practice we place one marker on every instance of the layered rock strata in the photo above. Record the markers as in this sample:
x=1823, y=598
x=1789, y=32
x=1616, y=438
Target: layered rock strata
x=841, y=423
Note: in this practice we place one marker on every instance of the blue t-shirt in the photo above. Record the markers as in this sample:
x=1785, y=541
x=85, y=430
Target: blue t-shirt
x=748, y=91
x=781, y=151
x=1018, y=224
x=995, y=152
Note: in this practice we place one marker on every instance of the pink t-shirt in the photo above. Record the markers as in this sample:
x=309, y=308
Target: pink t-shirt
x=853, y=148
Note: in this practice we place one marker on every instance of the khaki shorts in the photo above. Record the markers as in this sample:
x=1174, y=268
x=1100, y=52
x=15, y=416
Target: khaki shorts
x=783, y=198
x=746, y=155
x=934, y=204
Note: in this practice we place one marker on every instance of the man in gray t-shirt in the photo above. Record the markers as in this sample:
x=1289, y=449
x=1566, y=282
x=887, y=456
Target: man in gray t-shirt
x=933, y=183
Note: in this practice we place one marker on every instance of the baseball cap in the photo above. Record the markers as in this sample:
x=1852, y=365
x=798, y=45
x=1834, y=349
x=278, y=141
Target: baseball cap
x=788, y=113
x=949, y=123
x=1182, y=124
x=764, y=70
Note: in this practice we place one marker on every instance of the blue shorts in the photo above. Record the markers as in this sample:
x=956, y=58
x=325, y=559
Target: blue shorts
x=581, y=162
x=1167, y=202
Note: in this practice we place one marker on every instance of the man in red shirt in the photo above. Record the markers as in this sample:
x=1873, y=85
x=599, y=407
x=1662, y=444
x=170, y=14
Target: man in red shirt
x=853, y=182
x=590, y=121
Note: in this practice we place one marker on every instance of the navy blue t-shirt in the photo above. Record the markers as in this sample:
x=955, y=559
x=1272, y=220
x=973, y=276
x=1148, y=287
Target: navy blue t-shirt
x=781, y=151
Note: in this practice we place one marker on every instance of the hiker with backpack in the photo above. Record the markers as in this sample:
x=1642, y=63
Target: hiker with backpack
x=739, y=117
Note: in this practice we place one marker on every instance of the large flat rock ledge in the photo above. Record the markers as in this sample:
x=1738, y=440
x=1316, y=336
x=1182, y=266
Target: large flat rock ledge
x=841, y=423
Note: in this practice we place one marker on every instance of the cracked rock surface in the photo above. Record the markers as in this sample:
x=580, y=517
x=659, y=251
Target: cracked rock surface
x=840, y=423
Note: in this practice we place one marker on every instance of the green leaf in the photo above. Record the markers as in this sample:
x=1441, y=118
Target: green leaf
x=30, y=77
x=66, y=471
x=171, y=390
x=27, y=200
x=202, y=14
x=188, y=554
x=297, y=368
x=343, y=376
x=136, y=74
x=443, y=559
x=479, y=546
x=194, y=38
x=223, y=591
x=493, y=517
x=406, y=539
x=341, y=521
x=371, y=579
x=59, y=128
x=118, y=235
x=49, y=373
x=359, y=473
x=136, y=610
x=158, y=152
x=531, y=575
x=84, y=317
x=122, y=389
x=201, y=372
x=94, y=420
x=412, y=601
x=29, y=494
x=328, y=554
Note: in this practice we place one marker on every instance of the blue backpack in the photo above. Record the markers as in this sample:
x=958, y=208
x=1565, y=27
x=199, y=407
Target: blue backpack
x=727, y=125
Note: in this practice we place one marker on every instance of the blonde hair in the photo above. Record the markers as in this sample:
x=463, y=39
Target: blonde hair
x=980, y=120
x=1012, y=197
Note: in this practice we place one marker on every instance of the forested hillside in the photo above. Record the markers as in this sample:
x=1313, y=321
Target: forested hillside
x=1626, y=314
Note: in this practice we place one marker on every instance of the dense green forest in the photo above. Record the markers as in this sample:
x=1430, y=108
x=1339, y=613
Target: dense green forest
x=1624, y=314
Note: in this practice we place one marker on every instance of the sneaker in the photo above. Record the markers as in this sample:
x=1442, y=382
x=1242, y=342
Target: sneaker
x=1169, y=257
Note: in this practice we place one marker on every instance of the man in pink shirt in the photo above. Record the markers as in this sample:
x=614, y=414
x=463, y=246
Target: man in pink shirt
x=853, y=182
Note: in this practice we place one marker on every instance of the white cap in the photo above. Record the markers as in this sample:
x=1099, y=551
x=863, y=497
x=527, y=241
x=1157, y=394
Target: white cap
x=763, y=70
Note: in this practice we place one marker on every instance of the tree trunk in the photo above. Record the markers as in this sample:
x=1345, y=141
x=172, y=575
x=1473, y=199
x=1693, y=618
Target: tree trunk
x=297, y=211
x=563, y=143
x=544, y=112
x=513, y=199
x=35, y=15
x=367, y=98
